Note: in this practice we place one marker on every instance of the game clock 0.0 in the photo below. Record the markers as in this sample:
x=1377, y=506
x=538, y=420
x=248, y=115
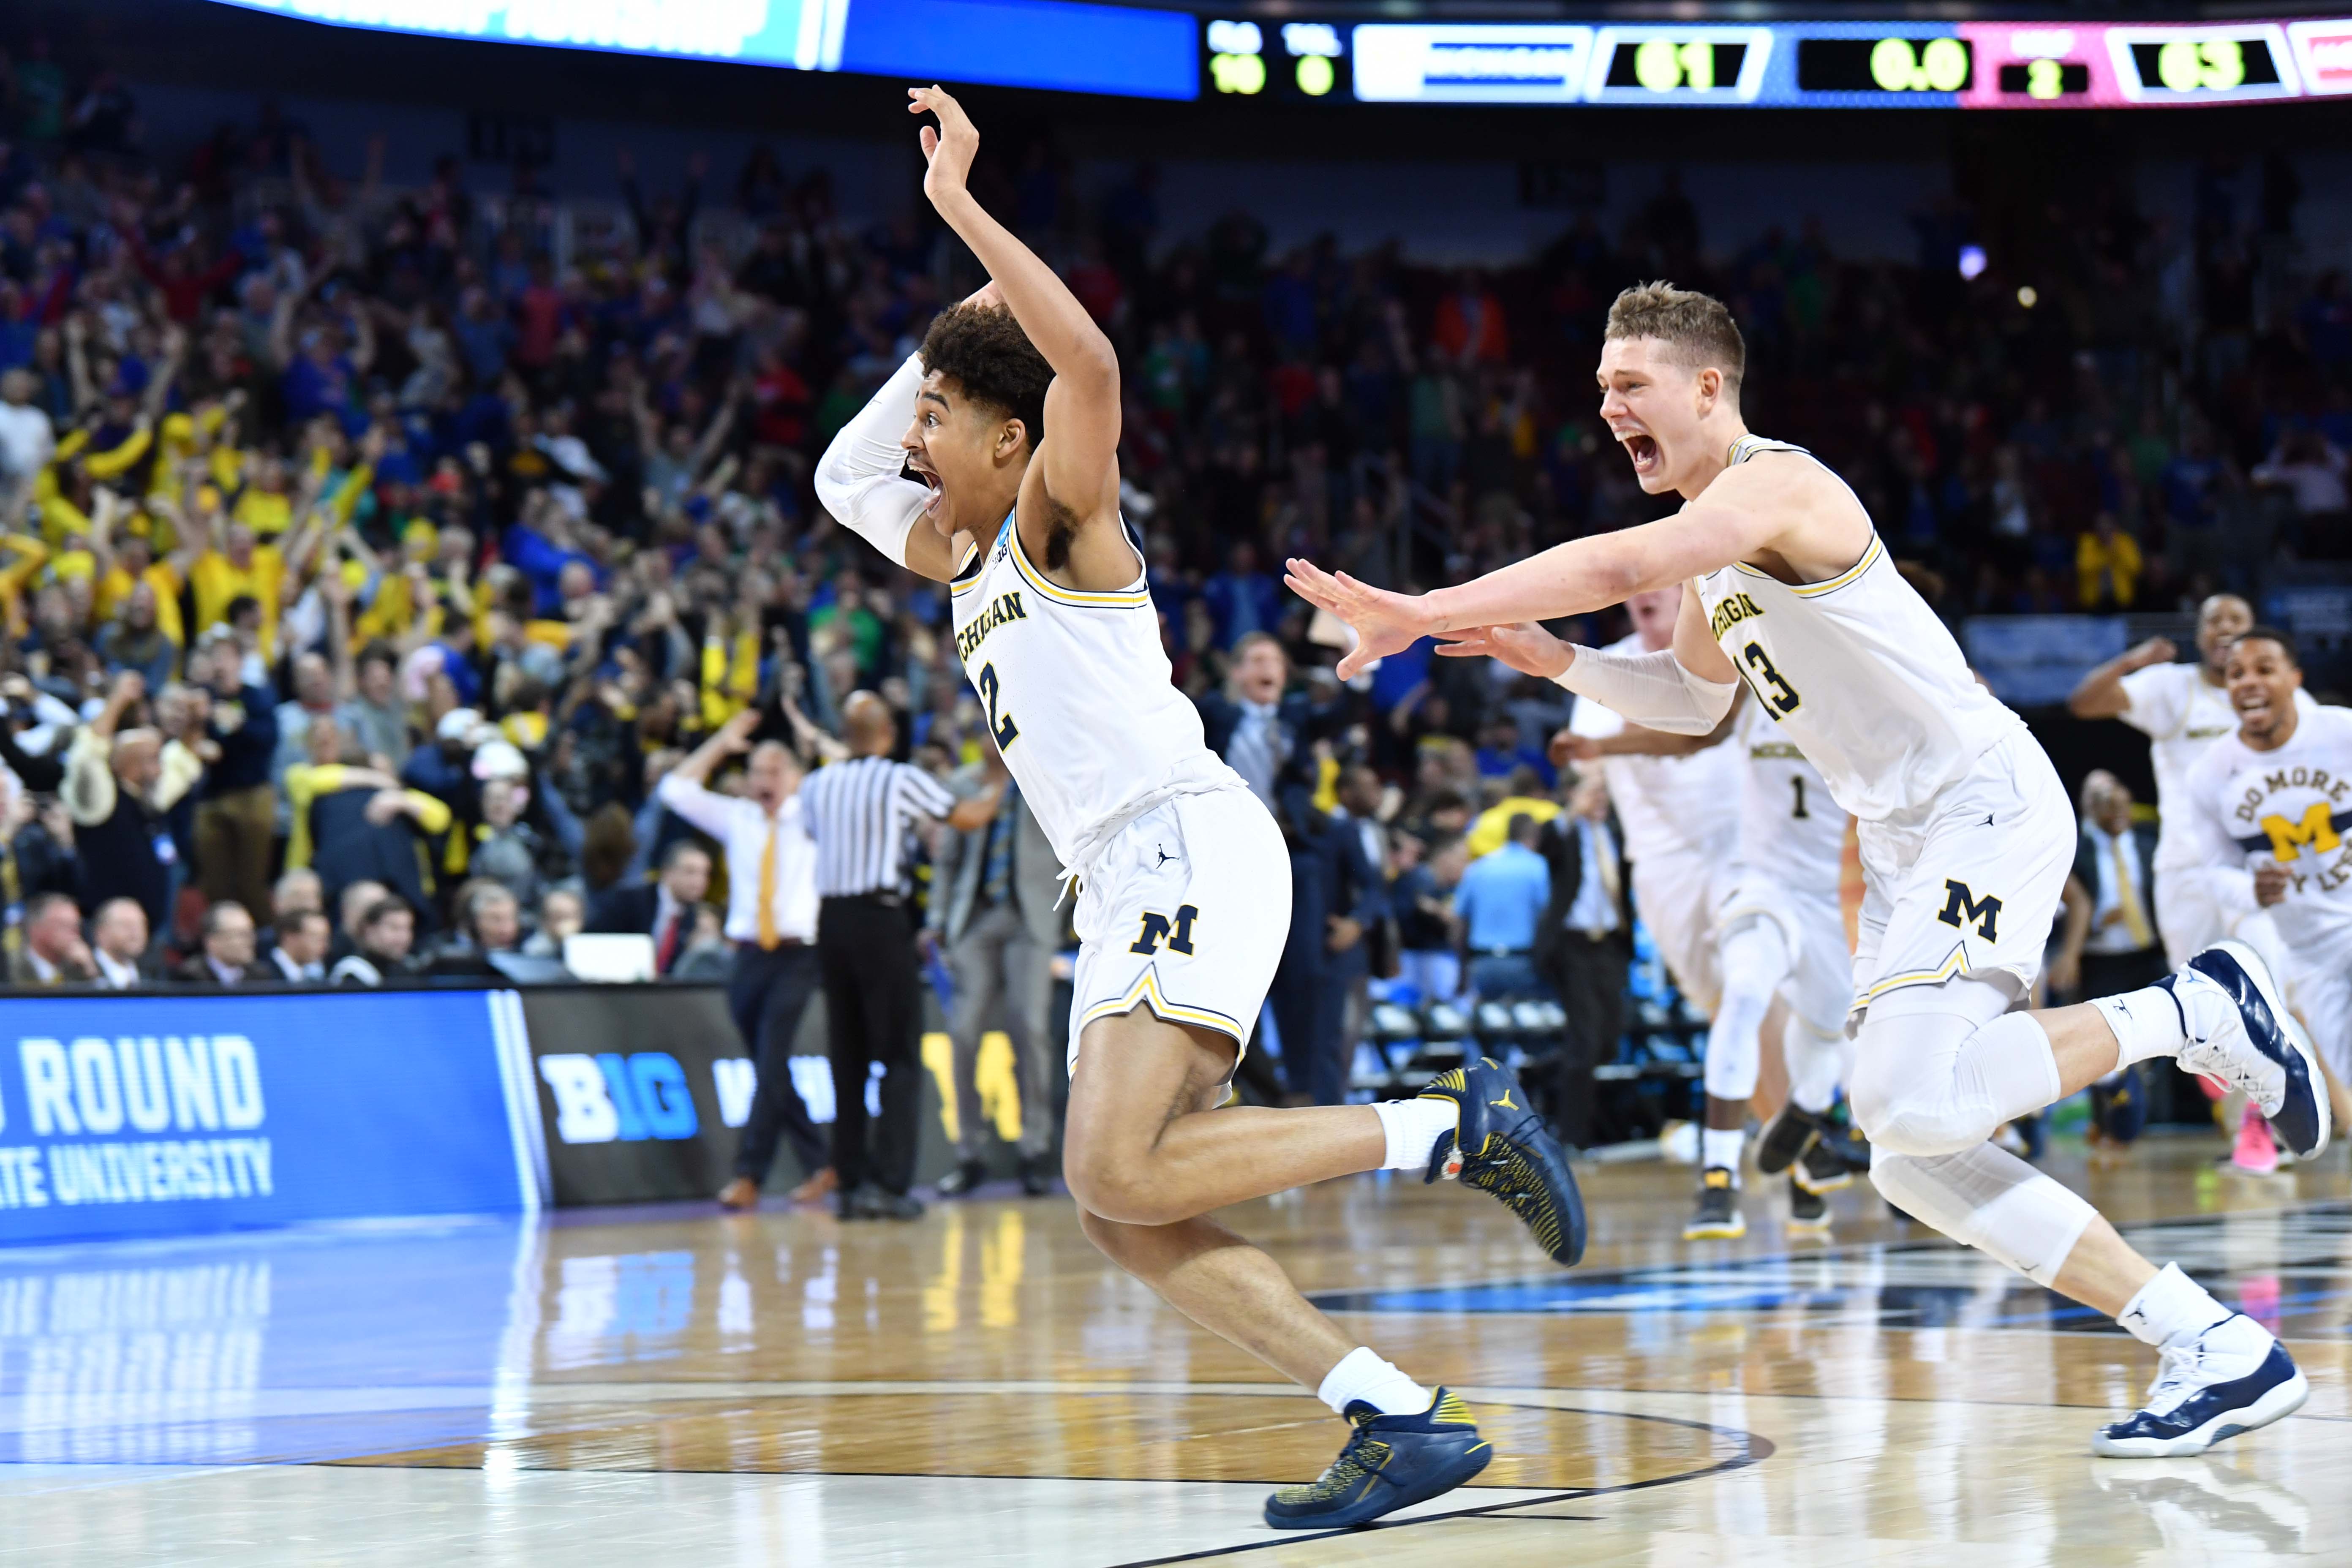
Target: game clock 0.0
x=1892, y=64
x=1269, y=59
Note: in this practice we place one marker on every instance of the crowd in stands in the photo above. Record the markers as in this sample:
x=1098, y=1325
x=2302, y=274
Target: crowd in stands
x=361, y=558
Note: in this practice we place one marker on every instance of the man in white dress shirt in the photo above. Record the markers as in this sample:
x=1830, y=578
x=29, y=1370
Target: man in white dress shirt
x=772, y=918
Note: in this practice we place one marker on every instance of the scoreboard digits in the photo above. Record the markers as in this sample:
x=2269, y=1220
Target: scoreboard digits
x=1912, y=64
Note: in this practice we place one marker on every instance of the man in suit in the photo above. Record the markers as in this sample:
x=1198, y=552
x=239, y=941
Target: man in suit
x=1584, y=945
x=994, y=892
x=118, y=946
x=298, y=953
x=2108, y=944
x=226, y=958
x=663, y=908
x=52, y=952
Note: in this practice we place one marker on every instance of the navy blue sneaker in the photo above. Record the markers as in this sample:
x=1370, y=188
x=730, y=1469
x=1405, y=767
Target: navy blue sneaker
x=2233, y=1378
x=1500, y=1146
x=2239, y=1031
x=1390, y=1462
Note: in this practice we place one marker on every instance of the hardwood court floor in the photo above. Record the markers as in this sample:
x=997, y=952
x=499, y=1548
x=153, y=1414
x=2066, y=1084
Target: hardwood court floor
x=639, y=1387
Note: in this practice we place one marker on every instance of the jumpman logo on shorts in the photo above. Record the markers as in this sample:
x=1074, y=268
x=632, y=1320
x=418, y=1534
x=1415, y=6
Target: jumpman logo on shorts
x=1164, y=856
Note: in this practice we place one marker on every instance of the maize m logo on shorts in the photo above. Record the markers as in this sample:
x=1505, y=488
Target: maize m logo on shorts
x=1159, y=928
x=1963, y=908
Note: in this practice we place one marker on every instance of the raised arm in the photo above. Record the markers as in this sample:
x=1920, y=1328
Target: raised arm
x=1079, y=455
x=2101, y=694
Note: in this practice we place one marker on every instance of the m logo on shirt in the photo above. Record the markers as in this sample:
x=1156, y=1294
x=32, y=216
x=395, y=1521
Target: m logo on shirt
x=1961, y=908
x=2316, y=830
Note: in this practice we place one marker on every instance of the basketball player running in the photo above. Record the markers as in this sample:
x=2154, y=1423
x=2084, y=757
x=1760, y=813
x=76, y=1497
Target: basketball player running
x=1780, y=933
x=1009, y=418
x=1966, y=840
x=1683, y=850
x=2185, y=711
x=2274, y=798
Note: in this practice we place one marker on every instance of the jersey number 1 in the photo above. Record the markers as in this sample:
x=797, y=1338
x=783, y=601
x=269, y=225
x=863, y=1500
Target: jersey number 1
x=1006, y=730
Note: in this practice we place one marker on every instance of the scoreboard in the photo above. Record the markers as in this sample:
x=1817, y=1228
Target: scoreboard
x=1903, y=64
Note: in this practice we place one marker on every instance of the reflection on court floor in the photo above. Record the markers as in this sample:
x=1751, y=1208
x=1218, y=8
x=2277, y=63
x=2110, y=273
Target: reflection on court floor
x=606, y=1388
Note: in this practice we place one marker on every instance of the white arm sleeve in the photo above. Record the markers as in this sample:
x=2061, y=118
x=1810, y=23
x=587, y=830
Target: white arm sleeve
x=1652, y=689
x=859, y=480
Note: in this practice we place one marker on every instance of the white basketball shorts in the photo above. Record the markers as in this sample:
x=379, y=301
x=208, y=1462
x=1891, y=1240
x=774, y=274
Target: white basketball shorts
x=1820, y=988
x=1679, y=895
x=1185, y=912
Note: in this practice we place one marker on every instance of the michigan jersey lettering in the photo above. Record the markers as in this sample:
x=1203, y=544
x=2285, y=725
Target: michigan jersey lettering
x=1961, y=908
x=1735, y=608
x=972, y=633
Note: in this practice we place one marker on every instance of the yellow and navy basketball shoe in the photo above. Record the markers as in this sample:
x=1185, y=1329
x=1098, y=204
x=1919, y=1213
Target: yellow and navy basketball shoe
x=1390, y=1462
x=1500, y=1146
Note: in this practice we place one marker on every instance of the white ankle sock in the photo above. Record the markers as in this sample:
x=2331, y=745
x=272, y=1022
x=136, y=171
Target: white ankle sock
x=2169, y=1306
x=1413, y=1127
x=1361, y=1374
x=1719, y=1150
x=2148, y=1023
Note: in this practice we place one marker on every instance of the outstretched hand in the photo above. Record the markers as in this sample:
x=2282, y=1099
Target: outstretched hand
x=1526, y=648
x=1384, y=622
x=950, y=148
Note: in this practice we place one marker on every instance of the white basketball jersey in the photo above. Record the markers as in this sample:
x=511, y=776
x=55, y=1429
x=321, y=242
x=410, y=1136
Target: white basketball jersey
x=1790, y=828
x=1079, y=693
x=1666, y=805
x=1857, y=671
x=2183, y=716
x=2292, y=805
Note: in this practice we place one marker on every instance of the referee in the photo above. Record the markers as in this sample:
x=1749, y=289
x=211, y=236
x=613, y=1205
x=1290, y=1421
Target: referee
x=859, y=810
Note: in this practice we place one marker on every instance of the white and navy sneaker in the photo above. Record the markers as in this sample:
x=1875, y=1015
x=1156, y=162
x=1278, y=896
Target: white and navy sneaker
x=2231, y=1378
x=2239, y=1031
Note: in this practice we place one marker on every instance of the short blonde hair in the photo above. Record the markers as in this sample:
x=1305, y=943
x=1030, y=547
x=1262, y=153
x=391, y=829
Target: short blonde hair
x=1696, y=327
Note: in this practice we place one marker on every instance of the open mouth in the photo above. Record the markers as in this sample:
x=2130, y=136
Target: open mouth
x=1643, y=450
x=931, y=480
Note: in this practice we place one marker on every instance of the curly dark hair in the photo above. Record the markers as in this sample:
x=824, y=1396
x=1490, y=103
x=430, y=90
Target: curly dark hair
x=983, y=351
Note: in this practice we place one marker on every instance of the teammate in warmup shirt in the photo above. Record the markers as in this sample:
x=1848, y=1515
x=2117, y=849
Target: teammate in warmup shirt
x=2274, y=798
x=1966, y=836
x=990, y=461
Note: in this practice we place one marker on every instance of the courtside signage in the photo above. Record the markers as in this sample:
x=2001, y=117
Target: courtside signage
x=169, y=1114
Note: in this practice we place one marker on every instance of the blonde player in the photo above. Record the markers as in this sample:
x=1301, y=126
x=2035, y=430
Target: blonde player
x=1778, y=930
x=2274, y=798
x=1009, y=418
x=1966, y=840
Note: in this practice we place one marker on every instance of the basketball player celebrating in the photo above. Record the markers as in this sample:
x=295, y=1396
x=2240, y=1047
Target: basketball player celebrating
x=1009, y=419
x=1781, y=931
x=1966, y=840
x=1669, y=800
x=2185, y=711
x=2275, y=797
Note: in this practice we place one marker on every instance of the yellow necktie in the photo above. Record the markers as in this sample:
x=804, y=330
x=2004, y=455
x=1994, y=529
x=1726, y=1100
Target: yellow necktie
x=1605, y=859
x=2127, y=899
x=770, y=938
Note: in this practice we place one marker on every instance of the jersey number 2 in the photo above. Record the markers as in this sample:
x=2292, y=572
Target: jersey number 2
x=1783, y=697
x=1006, y=730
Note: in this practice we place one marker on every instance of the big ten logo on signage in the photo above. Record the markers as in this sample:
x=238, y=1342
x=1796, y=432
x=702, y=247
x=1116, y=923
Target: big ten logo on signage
x=611, y=1098
x=79, y=1095
x=624, y=1307
x=134, y=1365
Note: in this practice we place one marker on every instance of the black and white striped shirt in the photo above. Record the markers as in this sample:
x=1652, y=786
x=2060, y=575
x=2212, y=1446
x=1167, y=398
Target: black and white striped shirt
x=858, y=812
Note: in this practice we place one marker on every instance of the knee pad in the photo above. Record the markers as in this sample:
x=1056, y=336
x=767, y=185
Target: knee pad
x=1938, y=1068
x=1755, y=961
x=1990, y=1199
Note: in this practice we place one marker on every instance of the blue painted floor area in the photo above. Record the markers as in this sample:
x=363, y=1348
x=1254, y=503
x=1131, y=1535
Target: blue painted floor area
x=2293, y=1283
x=301, y=1345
